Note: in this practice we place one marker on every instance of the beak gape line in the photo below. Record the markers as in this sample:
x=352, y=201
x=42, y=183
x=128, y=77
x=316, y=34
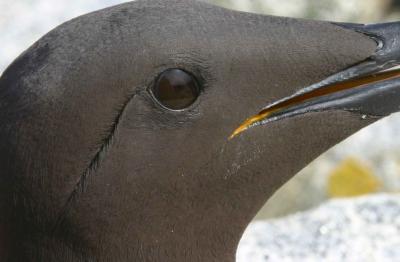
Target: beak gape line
x=365, y=88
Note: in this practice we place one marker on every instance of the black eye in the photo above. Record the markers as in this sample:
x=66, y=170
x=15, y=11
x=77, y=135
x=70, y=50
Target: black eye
x=176, y=89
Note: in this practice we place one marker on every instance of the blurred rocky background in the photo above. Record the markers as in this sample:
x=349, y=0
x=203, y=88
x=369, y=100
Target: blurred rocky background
x=367, y=164
x=355, y=230
x=366, y=11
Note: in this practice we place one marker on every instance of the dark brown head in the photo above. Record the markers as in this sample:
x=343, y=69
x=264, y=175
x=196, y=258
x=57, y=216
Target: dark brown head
x=115, y=126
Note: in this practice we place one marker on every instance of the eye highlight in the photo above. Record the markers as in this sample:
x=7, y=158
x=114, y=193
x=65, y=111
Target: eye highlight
x=175, y=89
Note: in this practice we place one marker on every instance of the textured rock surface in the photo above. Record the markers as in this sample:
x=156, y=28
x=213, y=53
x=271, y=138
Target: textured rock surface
x=355, y=229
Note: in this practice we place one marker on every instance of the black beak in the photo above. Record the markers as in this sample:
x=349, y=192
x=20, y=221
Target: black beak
x=370, y=88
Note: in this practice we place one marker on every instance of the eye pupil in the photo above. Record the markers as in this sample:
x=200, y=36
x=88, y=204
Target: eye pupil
x=176, y=89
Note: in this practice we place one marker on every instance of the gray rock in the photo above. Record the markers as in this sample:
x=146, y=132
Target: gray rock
x=357, y=229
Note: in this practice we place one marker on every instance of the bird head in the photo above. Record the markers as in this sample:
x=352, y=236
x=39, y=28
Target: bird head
x=118, y=127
